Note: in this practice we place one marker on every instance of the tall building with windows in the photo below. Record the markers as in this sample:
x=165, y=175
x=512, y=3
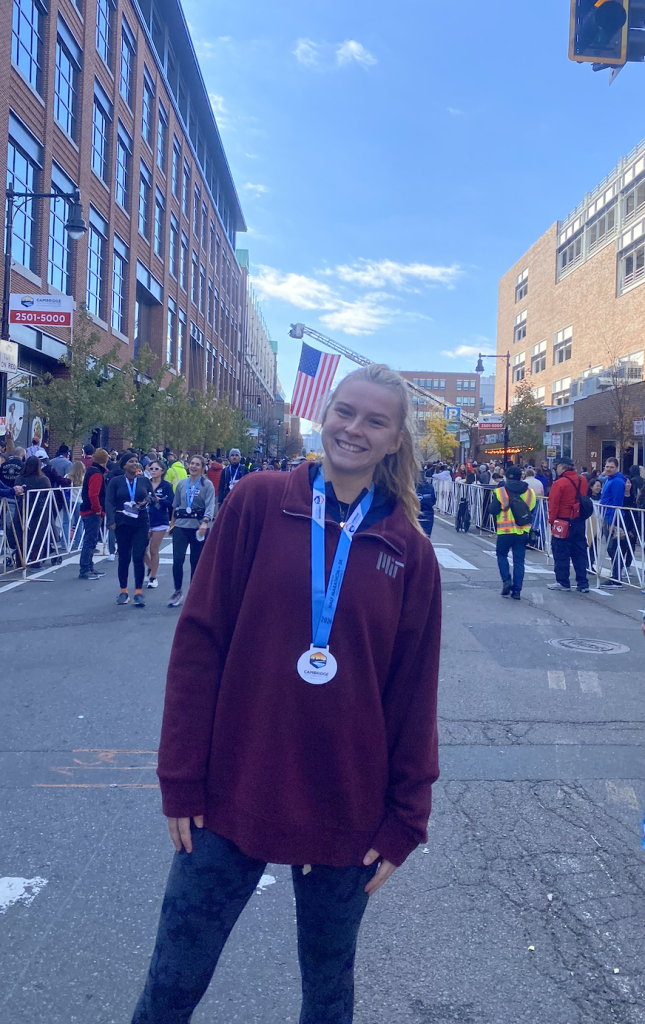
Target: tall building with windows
x=108, y=96
x=573, y=304
x=453, y=388
x=259, y=366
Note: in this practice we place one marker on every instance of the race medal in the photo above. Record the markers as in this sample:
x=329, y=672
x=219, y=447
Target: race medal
x=317, y=665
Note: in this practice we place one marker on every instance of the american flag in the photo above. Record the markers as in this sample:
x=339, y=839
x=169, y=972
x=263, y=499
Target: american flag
x=313, y=383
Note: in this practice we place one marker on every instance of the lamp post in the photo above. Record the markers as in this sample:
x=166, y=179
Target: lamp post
x=75, y=227
x=480, y=369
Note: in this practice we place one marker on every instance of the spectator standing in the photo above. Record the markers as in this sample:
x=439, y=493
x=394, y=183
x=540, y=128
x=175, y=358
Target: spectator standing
x=571, y=546
x=61, y=463
x=88, y=455
x=176, y=471
x=32, y=478
x=533, y=482
x=215, y=470
x=92, y=512
x=512, y=535
x=232, y=474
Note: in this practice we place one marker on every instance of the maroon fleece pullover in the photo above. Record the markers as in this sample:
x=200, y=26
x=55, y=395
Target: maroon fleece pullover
x=290, y=772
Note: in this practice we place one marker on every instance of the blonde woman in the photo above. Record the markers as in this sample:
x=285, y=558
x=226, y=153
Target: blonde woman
x=313, y=745
x=76, y=475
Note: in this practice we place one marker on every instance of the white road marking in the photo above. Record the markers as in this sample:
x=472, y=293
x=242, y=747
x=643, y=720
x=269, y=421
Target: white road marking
x=165, y=561
x=589, y=683
x=600, y=593
x=266, y=880
x=556, y=680
x=10, y=586
x=19, y=890
x=449, y=560
x=528, y=566
x=622, y=793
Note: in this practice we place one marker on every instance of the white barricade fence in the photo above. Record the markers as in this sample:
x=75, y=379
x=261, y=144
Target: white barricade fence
x=42, y=525
x=615, y=536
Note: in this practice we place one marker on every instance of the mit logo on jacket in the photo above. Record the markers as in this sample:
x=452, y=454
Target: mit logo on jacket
x=388, y=564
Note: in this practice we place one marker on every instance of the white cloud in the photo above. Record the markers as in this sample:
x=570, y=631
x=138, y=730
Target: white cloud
x=375, y=274
x=256, y=190
x=219, y=109
x=351, y=50
x=454, y=111
x=295, y=289
x=467, y=351
x=306, y=52
x=360, y=317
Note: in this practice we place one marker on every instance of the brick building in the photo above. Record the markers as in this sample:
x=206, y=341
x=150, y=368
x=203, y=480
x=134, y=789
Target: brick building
x=595, y=420
x=453, y=388
x=259, y=367
x=108, y=96
x=574, y=303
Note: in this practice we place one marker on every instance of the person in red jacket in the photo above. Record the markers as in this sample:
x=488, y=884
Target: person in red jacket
x=92, y=512
x=564, y=505
x=316, y=744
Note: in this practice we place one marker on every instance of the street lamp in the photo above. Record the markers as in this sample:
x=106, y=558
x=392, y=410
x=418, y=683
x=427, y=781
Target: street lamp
x=75, y=227
x=480, y=369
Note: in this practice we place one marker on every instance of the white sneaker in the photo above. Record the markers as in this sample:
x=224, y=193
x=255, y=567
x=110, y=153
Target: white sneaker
x=558, y=586
x=152, y=584
x=111, y=558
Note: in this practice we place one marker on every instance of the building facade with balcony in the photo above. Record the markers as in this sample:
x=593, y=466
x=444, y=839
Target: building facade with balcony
x=108, y=96
x=574, y=303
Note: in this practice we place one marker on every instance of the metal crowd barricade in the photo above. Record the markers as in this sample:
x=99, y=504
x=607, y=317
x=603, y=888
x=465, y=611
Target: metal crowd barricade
x=42, y=526
x=615, y=536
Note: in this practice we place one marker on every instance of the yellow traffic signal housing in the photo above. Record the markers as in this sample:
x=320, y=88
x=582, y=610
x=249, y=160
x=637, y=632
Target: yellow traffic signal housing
x=599, y=31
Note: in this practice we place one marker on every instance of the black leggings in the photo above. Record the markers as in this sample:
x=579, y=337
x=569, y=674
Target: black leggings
x=181, y=538
x=132, y=542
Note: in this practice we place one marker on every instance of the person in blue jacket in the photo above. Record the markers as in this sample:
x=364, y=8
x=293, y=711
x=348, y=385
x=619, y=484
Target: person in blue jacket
x=613, y=489
x=159, y=514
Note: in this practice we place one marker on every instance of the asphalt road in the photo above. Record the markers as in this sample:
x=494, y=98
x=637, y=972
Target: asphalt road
x=527, y=904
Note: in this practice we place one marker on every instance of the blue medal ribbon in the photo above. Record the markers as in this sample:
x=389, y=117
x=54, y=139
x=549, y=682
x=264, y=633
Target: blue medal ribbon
x=190, y=494
x=132, y=490
x=324, y=604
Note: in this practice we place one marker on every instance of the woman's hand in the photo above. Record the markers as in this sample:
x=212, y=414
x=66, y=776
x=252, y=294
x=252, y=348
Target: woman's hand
x=386, y=868
x=179, y=829
x=111, y=526
x=202, y=529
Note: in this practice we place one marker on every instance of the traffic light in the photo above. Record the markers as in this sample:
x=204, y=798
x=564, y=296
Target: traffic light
x=599, y=31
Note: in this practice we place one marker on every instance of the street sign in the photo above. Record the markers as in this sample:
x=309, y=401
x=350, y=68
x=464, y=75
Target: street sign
x=556, y=440
x=452, y=413
x=495, y=423
x=546, y=439
x=466, y=443
x=464, y=436
x=8, y=357
x=41, y=310
x=639, y=428
x=452, y=426
x=551, y=453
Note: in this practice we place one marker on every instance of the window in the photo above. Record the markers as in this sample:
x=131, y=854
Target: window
x=66, y=88
x=122, y=177
x=631, y=267
x=567, y=439
x=184, y=261
x=635, y=200
x=181, y=341
x=104, y=30
x=96, y=242
x=560, y=391
x=173, y=251
x=26, y=40
x=147, y=109
x=521, y=285
x=538, y=357
x=185, y=190
x=171, y=330
x=562, y=345
x=458, y=385
x=194, y=287
x=22, y=175
x=518, y=366
x=202, y=289
x=442, y=385
x=196, y=204
x=145, y=185
x=101, y=118
x=218, y=246
x=602, y=228
x=59, y=263
x=176, y=167
x=209, y=308
x=539, y=394
x=162, y=138
x=126, y=68
x=120, y=259
x=204, y=225
x=160, y=205
x=473, y=385
x=520, y=326
x=571, y=254
x=211, y=245
x=215, y=308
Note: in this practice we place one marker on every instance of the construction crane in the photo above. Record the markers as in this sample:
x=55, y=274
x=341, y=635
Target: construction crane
x=298, y=332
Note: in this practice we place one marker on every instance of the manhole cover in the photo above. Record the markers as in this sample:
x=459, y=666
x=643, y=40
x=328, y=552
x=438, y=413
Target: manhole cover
x=584, y=646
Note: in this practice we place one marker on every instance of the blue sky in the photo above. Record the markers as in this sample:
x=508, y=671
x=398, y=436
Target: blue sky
x=394, y=160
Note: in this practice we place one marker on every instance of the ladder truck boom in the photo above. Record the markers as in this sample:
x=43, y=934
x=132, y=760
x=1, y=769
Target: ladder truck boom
x=298, y=332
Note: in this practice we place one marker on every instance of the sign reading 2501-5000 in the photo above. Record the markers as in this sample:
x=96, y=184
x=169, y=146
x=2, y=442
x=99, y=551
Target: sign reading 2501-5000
x=41, y=310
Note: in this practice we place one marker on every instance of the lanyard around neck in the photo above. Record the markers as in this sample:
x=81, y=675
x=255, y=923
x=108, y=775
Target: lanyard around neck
x=132, y=489
x=324, y=603
x=190, y=492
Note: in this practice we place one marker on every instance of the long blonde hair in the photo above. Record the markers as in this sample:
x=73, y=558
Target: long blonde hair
x=395, y=474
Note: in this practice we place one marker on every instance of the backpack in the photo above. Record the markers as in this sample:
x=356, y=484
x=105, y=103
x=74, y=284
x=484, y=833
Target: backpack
x=585, y=502
x=519, y=509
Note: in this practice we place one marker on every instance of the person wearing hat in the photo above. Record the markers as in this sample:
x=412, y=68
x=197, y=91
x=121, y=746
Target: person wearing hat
x=510, y=504
x=92, y=513
x=126, y=509
x=232, y=474
x=564, y=515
